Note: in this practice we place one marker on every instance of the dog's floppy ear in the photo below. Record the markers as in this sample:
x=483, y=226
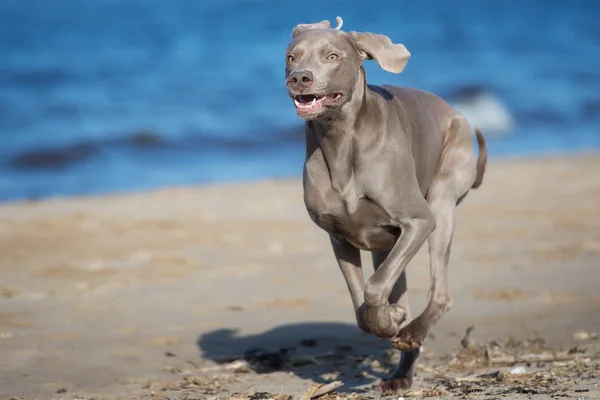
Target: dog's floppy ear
x=390, y=57
x=319, y=25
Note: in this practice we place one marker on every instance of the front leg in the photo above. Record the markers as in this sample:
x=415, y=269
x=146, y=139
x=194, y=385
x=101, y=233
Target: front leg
x=348, y=259
x=416, y=226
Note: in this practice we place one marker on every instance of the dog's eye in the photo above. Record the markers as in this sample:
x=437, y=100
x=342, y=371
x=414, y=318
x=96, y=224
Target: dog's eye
x=333, y=57
x=290, y=58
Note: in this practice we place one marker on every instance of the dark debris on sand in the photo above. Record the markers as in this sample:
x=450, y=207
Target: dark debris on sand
x=511, y=369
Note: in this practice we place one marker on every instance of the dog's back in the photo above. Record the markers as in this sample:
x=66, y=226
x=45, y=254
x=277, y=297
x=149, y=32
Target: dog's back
x=424, y=118
x=425, y=112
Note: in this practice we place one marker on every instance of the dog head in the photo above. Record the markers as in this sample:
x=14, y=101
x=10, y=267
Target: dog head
x=323, y=63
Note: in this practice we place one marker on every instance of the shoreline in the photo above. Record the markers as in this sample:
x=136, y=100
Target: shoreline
x=492, y=159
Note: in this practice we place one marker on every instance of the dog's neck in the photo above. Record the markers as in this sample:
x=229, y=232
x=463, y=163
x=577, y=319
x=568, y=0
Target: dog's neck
x=339, y=121
x=335, y=132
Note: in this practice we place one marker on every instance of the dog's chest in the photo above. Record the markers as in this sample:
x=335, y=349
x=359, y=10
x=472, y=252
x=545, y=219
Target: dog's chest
x=347, y=213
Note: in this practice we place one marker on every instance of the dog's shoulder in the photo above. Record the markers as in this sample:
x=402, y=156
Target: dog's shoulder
x=410, y=96
x=405, y=92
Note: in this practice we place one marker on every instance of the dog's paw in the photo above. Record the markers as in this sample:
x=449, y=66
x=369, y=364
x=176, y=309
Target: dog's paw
x=411, y=336
x=390, y=387
x=382, y=321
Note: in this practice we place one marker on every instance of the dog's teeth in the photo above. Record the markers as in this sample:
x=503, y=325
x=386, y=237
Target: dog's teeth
x=297, y=103
x=314, y=101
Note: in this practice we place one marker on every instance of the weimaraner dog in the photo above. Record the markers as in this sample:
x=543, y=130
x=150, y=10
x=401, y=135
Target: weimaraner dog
x=385, y=169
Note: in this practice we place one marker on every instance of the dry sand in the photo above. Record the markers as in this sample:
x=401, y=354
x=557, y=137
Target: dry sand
x=145, y=295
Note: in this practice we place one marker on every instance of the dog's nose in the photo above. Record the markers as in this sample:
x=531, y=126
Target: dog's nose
x=300, y=77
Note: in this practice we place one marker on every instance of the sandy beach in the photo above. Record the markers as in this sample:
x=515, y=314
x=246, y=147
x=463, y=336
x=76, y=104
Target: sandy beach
x=154, y=295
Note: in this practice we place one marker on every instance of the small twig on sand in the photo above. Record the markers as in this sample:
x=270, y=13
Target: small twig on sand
x=316, y=389
x=330, y=387
x=310, y=391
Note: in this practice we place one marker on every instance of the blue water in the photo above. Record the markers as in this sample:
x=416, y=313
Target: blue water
x=121, y=95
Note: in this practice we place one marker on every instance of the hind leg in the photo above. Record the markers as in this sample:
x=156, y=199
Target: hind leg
x=439, y=299
x=402, y=376
x=453, y=179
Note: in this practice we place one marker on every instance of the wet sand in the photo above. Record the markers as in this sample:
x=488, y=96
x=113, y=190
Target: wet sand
x=127, y=296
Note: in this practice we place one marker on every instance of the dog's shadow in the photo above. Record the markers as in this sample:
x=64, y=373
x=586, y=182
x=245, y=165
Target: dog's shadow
x=318, y=351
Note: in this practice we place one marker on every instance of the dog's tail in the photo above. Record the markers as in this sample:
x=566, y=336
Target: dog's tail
x=481, y=160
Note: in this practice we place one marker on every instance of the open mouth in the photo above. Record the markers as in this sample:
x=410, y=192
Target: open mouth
x=311, y=103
